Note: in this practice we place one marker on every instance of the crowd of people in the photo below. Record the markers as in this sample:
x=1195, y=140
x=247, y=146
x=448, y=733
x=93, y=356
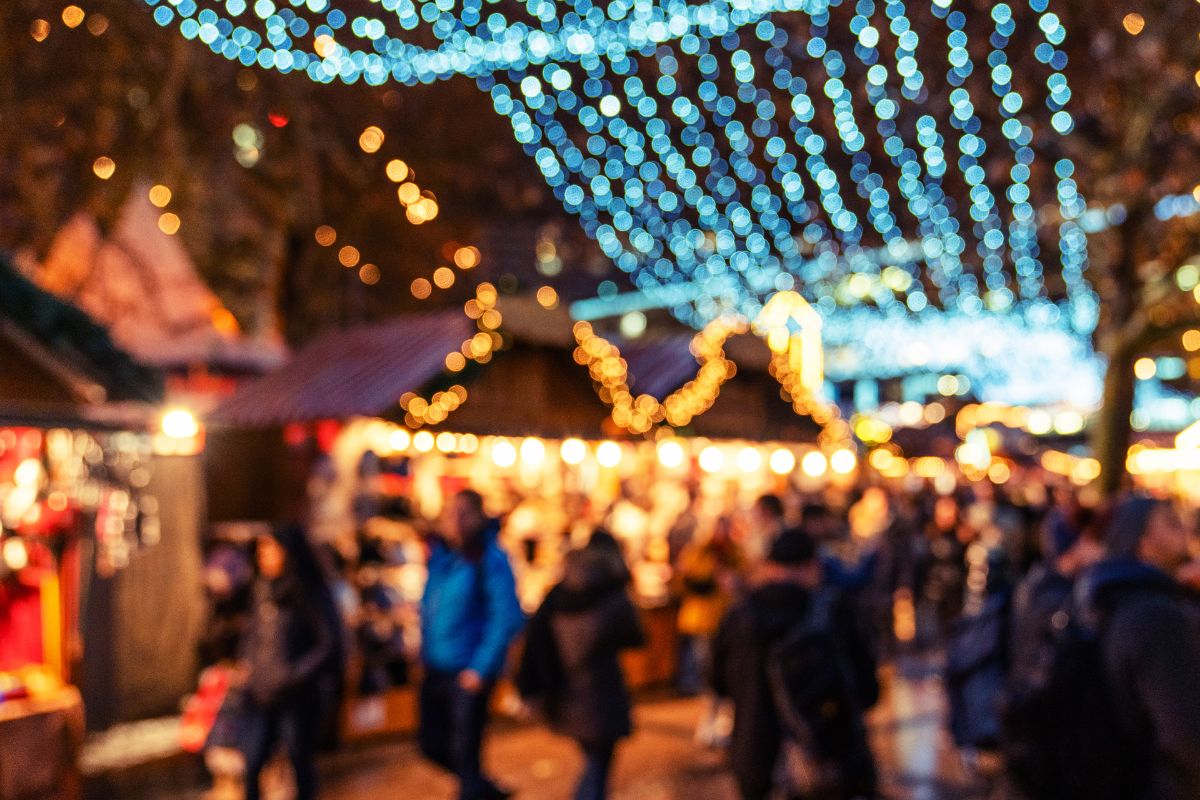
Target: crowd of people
x=1068, y=635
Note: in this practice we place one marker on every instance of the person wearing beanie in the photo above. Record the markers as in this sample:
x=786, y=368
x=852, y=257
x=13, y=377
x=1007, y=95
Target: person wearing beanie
x=1150, y=653
x=785, y=587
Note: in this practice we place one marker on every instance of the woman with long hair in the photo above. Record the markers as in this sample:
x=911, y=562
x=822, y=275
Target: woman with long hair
x=290, y=648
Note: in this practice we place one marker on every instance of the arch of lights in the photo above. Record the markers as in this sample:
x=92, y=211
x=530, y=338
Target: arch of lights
x=893, y=161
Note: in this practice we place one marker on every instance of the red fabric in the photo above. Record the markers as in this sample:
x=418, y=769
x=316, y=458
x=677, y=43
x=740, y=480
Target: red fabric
x=20, y=625
x=201, y=709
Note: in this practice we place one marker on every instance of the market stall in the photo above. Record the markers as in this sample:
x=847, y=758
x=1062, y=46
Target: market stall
x=81, y=474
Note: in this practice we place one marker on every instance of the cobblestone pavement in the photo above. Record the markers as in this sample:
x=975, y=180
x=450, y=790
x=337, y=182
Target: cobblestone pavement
x=660, y=762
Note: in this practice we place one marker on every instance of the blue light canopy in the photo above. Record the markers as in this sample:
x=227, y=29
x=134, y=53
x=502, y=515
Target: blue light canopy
x=901, y=159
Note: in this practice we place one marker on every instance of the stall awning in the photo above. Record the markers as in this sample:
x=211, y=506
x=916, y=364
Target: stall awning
x=360, y=371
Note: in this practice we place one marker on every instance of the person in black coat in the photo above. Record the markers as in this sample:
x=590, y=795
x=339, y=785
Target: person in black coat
x=585, y=622
x=785, y=588
x=1150, y=651
x=286, y=652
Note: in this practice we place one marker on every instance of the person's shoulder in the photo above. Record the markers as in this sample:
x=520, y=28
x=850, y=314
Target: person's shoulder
x=1140, y=620
x=494, y=555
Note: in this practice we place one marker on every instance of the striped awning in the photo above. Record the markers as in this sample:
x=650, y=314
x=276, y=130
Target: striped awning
x=359, y=371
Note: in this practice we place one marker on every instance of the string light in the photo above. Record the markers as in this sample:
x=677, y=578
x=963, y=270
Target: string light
x=169, y=223
x=104, y=167
x=160, y=195
x=660, y=170
x=419, y=411
x=72, y=16
x=639, y=414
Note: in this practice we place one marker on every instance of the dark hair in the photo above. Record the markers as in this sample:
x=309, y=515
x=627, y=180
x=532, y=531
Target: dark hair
x=793, y=548
x=771, y=504
x=474, y=498
x=601, y=539
x=814, y=509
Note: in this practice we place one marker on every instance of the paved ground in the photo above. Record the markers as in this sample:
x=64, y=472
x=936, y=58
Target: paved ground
x=660, y=762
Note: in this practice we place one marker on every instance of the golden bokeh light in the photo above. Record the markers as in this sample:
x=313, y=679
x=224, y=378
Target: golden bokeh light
x=490, y=319
x=324, y=45
x=169, y=223
x=104, y=167
x=421, y=288
x=72, y=16
x=456, y=361
x=1134, y=23
x=371, y=139
x=397, y=170
x=225, y=322
x=485, y=293
x=408, y=193
x=349, y=256
x=160, y=195
x=547, y=297
x=369, y=274
x=325, y=235
x=39, y=30
x=443, y=277
x=466, y=257
x=1191, y=340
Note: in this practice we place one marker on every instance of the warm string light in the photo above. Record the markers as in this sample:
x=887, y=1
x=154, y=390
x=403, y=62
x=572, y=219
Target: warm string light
x=639, y=414
x=807, y=403
x=420, y=206
x=479, y=348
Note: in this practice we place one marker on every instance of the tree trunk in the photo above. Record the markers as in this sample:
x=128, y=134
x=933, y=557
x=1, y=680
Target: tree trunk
x=1112, y=429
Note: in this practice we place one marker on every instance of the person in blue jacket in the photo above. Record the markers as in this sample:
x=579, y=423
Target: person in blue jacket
x=469, y=617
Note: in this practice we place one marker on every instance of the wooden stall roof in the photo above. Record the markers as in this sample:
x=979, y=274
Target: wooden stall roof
x=359, y=371
x=56, y=364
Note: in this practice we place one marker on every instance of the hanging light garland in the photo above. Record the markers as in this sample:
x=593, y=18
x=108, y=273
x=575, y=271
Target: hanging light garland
x=419, y=411
x=639, y=414
x=696, y=141
x=792, y=330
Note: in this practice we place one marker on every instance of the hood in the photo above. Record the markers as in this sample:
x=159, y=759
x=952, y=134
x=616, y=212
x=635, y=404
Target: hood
x=777, y=607
x=1130, y=518
x=1105, y=583
x=589, y=575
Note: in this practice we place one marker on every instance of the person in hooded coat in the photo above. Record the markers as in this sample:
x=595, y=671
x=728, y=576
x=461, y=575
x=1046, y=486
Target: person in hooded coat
x=1150, y=651
x=586, y=620
x=287, y=651
x=785, y=588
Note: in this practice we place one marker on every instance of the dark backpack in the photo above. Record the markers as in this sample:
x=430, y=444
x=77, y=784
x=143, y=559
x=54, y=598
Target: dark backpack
x=816, y=697
x=976, y=670
x=1061, y=738
x=540, y=676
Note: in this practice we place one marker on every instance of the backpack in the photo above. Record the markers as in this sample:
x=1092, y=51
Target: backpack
x=815, y=696
x=540, y=676
x=1061, y=738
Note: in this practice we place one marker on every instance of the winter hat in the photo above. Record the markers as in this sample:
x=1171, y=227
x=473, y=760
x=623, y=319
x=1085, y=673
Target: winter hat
x=792, y=548
x=1127, y=525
